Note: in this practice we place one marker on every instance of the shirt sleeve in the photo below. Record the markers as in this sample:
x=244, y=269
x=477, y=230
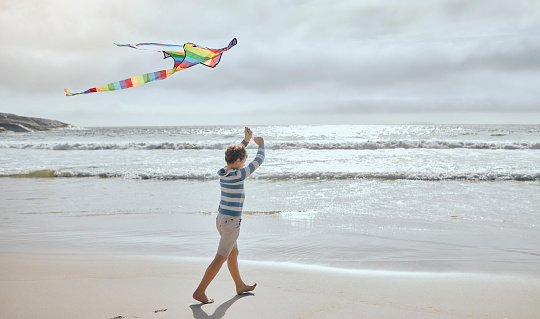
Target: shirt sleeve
x=259, y=159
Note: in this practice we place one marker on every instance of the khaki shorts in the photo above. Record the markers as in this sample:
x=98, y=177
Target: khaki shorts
x=229, y=230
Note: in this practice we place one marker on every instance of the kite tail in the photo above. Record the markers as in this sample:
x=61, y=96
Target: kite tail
x=127, y=83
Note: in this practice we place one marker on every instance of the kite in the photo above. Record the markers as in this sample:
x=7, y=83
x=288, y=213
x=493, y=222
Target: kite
x=192, y=55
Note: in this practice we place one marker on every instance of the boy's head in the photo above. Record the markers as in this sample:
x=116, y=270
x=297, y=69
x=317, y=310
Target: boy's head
x=235, y=152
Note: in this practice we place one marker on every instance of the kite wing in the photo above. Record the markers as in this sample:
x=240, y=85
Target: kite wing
x=192, y=55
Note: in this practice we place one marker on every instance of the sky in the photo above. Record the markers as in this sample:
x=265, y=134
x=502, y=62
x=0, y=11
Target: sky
x=296, y=62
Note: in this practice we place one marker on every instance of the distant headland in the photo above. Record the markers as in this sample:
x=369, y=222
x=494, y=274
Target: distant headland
x=16, y=123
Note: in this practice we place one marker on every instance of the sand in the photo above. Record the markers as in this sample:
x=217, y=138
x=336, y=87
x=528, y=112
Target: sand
x=69, y=286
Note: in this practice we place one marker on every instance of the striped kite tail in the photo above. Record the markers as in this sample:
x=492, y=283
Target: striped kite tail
x=128, y=83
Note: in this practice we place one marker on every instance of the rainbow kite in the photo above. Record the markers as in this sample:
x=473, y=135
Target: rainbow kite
x=192, y=55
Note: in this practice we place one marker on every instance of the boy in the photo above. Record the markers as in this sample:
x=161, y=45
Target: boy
x=231, y=180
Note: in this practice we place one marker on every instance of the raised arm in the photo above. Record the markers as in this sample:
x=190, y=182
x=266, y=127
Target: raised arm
x=259, y=159
x=247, y=136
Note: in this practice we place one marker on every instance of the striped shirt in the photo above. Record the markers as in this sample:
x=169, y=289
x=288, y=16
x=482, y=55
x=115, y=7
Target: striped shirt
x=232, y=185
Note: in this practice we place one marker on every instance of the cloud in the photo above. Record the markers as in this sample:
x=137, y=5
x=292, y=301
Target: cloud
x=311, y=56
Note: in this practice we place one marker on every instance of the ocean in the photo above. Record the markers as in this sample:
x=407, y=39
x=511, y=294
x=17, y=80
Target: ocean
x=418, y=198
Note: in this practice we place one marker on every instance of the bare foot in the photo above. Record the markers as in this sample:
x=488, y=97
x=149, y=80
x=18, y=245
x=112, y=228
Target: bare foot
x=245, y=289
x=202, y=298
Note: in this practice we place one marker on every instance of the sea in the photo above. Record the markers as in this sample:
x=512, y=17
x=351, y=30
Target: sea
x=405, y=198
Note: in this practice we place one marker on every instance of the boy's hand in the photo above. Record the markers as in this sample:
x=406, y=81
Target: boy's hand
x=248, y=133
x=259, y=141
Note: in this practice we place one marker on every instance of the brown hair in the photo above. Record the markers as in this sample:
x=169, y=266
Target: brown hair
x=234, y=152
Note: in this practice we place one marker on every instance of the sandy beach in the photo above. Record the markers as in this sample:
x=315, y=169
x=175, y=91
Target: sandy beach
x=71, y=286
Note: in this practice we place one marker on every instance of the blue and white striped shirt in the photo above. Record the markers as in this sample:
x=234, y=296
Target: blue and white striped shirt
x=232, y=185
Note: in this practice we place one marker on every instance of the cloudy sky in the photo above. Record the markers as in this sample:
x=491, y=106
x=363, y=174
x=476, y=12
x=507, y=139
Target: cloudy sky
x=296, y=62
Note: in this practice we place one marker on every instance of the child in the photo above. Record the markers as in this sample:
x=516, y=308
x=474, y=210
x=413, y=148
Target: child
x=231, y=180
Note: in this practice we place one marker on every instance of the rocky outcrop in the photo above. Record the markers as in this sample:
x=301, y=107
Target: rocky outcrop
x=16, y=123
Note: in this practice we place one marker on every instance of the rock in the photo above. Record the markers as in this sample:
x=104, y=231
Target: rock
x=16, y=123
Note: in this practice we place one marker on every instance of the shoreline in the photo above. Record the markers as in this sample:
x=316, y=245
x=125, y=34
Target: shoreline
x=479, y=227
x=367, y=270
x=87, y=286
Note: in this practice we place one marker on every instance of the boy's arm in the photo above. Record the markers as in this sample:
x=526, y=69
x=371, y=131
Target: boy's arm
x=247, y=136
x=259, y=159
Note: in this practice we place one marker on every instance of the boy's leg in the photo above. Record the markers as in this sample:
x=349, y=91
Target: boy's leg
x=232, y=263
x=209, y=275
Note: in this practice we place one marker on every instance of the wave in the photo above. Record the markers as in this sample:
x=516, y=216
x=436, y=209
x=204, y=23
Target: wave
x=324, y=176
x=327, y=145
x=410, y=144
x=315, y=176
x=114, y=146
